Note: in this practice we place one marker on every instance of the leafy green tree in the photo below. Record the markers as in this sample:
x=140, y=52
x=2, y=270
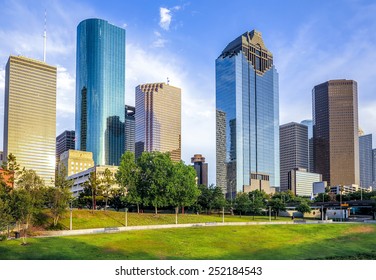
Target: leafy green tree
x=257, y=201
x=303, y=208
x=30, y=181
x=5, y=210
x=155, y=173
x=277, y=205
x=242, y=203
x=127, y=177
x=203, y=199
x=22, y=208
x=108, y=181
x=60, y=195
x=118, y=199
x=93, y=185
x=183, y=190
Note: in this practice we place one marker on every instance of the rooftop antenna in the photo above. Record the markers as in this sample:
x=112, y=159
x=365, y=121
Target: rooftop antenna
x=168, y=81
x=45, y=36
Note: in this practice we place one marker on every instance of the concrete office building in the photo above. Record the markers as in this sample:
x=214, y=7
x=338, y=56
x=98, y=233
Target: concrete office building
x=293, y=150
x=100, y=90
x=365, y=160
x=247, y=112
x=129, y=127
x=30, y=115
x=64, y=142
x=76, y=161
x=335, y=132
x=201, y=169
x=158, y=119
x=80, y=178
x=301, y=181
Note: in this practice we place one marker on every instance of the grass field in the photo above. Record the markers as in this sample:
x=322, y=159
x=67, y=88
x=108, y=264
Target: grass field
x=83, y=219
x=281, y=242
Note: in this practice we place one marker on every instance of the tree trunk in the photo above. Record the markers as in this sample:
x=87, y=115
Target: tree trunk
x=176, y=214
x=24, y=235
x=138, y=208
x=105, y=208
x=156, y=210
x=182, y=209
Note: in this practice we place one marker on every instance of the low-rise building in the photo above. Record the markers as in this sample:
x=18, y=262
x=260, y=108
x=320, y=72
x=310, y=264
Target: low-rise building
x=76, y=161
x=346, y=189
x=300, y=181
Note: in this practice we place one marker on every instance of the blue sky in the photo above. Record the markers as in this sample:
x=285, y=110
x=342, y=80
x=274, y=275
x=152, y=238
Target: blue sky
x=312, y=42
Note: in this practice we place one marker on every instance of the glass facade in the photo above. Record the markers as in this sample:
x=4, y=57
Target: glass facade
x=247, y=105
x=30, y=115
x=100, y=90
x=158, y=119
x=365, y=160
x=309, y=124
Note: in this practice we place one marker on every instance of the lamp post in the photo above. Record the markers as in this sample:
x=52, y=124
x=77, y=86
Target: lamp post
x=126, y=216
x=223, y=214
x=340, y=199
x=71, y=216
x=270, y=213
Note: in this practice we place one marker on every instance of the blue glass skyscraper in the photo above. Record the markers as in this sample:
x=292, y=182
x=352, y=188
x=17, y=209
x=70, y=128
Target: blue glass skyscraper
x=247, y=116
x=100, y=90
x=365, y=160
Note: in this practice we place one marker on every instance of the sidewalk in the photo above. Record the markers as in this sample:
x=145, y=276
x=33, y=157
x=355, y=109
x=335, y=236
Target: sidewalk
x=130, y=228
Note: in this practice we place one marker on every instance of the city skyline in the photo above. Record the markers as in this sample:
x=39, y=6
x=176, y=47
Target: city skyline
x=174, y=32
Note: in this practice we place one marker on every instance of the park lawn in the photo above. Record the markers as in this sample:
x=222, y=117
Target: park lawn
x=276, y=242
x=84, y=219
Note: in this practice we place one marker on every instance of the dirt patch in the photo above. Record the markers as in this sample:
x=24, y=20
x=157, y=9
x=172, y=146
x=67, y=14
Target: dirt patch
x=361, y=229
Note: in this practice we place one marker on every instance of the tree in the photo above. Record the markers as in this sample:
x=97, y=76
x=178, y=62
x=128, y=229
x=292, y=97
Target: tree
x=210, y=198
x=60, y=195
x=242, y=203
x=22, y=208
x=183, y=190
x=30, y=181
x=303, y=208
x=127, y=178
x=257, y=201
x=155, y=173
x=277, y=205
x=108, y=181
x=5, y=210
x=93, y=185
x=11, y=169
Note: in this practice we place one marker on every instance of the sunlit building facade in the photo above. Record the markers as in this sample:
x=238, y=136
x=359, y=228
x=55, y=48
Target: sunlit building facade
x=158, y=119
x=247, y=104
x=30, y=115
x=100, y=90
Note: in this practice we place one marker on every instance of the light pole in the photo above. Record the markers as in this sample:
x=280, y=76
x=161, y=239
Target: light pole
x=270, y=213
x=340, y=200
x=126, y=216
x=223, y=214
x=71, y=216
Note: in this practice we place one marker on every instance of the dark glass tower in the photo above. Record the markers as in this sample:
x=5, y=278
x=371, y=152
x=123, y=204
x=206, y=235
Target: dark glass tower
x=335, y=132
x=247, y=111
x=100, y=90
x=365, y=160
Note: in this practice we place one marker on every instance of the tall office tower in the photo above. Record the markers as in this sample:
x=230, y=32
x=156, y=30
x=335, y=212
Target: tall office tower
x=129, y=127
x=158, y=119
x=309, y=124
x=248, y=114
x=201, y=169
x=293, y=150
x=30, y=115
x=335, y=132
x=64, y=142
x=100, y=89
x=365, y=160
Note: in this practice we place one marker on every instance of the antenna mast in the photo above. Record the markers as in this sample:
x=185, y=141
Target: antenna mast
x=45, y=36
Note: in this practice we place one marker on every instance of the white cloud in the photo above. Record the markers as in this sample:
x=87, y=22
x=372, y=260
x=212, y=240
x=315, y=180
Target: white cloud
x=165, y=18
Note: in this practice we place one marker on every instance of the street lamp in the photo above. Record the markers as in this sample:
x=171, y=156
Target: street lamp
x=340, y=199
x=71, y=215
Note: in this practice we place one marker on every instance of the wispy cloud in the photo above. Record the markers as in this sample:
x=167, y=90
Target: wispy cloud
x=165, y=18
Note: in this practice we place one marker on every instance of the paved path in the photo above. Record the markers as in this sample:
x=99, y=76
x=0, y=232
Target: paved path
x=120, y=229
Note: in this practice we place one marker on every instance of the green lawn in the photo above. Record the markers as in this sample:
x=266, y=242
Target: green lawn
x=83, y=219
x=291, y=242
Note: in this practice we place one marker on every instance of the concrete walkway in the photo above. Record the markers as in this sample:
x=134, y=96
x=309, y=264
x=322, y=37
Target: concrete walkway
x=149, y=227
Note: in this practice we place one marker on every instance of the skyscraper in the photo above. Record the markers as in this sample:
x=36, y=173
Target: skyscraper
x=335, y=132
x=201, y=169
x=64, y=142
x=100, y=90
x=129, y=127
x=309, y=124
x=158, y=119
x=293, y=150
x=365, y=160
x=374, y=169
x=30, y=115
x=247, y=111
